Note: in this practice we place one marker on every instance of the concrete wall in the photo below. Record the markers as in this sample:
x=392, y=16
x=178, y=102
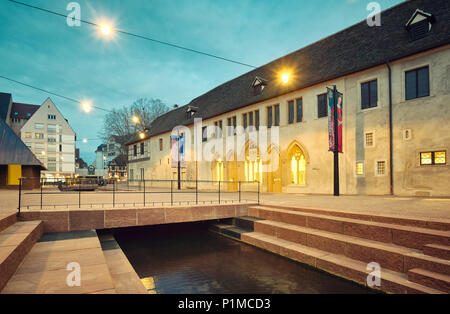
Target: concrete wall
x=425, y=118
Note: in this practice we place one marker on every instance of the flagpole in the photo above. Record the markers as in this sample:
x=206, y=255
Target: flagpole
x=336, y=143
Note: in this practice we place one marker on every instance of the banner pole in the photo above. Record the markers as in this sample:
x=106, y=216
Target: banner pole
x=336, y=143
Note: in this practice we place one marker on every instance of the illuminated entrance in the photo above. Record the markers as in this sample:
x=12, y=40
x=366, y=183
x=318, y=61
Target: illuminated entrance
x=298, y=165
x=253, y=164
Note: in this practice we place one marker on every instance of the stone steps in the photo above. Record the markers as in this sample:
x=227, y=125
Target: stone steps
x=429, y=223
x=16, y=240
x=430, y=279
x=407, y=236
x=388, y=255
x=342, y=266
x=436, y=250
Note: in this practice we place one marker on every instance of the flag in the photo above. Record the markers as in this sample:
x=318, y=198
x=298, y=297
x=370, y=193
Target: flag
x=331, y=133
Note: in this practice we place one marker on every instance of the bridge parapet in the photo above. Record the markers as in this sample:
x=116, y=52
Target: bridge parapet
x=79, y=220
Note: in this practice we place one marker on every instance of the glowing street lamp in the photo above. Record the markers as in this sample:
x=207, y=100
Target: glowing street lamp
x=135, y=119
x=285, y=78
x=142, y=135
x=85, y=140
x=87, y=107
x=105, y=29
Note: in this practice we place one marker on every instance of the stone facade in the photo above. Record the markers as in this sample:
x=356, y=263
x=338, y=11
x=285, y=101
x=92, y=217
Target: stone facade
x=419, y=126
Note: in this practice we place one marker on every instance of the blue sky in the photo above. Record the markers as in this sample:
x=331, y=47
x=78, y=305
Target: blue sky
x=40, y=49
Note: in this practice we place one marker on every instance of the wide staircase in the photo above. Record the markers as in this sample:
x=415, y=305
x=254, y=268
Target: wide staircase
x=16, y=240
x=414, y=254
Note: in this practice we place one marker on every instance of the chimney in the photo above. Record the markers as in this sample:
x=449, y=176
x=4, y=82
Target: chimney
x=175, y=106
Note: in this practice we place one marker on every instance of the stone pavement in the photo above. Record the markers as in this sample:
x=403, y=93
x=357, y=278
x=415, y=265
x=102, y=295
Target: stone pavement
x=413, y=207
x=43, y=271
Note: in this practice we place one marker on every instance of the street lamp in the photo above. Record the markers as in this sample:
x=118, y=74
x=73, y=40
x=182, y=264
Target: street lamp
x=285, y=78
x=85, y=140
x=135, y=119
x=142, y=135
x=105, y=29
x=87, y=107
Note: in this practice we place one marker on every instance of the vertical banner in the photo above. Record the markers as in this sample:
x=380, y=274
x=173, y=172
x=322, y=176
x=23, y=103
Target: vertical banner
x=178, y=151
x=174, y=151
x=331, y=133
x=182, y=151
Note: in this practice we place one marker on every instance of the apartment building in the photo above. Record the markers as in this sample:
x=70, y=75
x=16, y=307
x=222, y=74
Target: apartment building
x=49, y=136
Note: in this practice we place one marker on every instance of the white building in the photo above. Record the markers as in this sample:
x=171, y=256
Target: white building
x=50, y=137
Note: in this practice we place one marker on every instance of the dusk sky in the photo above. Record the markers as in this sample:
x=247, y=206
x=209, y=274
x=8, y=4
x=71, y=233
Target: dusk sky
x=40, y=49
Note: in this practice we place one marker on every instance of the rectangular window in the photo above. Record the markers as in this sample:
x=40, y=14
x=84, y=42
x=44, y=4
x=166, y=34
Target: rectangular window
x=257, y=119
x=218, y=129
x=51, y=139
x=290, y=111
x=277, y=115
x=134, y=150
x=160, y=144
x=369, y=139
x=51, y=167
x=433, y=158
x=369, y=94
x=142, y=148
x=39, y=146
x=250, y=118
x=51, y=128
x=39, y=135
x=60, y=148
x=38, y=126
x=244, y=118
x=300, y=110
x=204, y=134
x=28, y=135
x=417, y=83
x=234, y=125
x=359, y=168
x=322, y=106
x=51, y=117
x=269, y=117
x=381, y=168
x=229, y=128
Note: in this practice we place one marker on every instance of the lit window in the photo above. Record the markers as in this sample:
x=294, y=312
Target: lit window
x=381, y=168
x=433, y=158
x=28, y=135
x=253, y=165
x=219, y=171
x=298, y=166
x=439, y=158
x=359, y=168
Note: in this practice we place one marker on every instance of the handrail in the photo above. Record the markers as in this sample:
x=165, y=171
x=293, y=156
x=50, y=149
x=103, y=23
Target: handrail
x=90, y=187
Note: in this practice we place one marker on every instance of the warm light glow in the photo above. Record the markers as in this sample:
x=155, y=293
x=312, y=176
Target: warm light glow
x=285, y=78
x=85, y=140
x=43, y=153
x=105, y=29
x=87, y=107
x=135, y=119
x=142, y=135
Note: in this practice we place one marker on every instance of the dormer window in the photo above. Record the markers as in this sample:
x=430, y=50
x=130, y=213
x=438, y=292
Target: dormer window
x=191, y=111
x=258, y=85
x=419, y=25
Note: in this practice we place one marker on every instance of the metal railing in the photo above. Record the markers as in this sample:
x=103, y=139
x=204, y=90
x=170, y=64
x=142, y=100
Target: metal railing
x=70, y=193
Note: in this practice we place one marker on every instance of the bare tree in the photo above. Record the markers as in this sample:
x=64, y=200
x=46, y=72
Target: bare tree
x=118, y=122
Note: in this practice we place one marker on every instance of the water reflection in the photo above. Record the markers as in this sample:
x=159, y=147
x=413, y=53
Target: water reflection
x=188, y=259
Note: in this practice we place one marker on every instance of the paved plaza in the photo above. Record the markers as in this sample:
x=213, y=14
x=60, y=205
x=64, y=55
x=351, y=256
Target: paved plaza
x=412, y=207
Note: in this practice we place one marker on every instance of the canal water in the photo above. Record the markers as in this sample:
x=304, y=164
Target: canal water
x=189, y=259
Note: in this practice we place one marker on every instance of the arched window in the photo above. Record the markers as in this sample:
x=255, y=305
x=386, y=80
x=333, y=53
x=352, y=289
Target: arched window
x=298, y=166
x=253, y=164
x=219, y=170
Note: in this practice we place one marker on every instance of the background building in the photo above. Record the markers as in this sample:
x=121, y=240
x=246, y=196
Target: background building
x=49, y=136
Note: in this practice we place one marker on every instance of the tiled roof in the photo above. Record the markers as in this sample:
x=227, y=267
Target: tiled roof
x=24, y=111
x=354, y=49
